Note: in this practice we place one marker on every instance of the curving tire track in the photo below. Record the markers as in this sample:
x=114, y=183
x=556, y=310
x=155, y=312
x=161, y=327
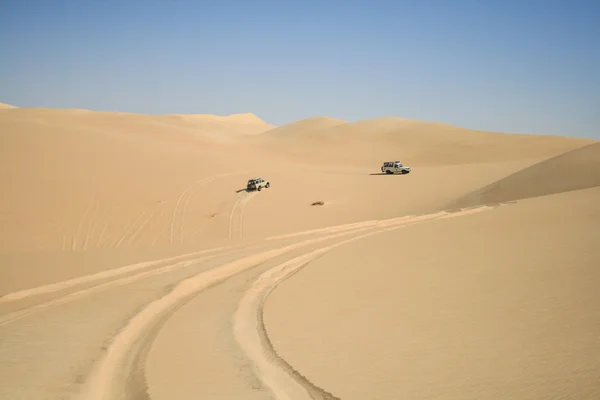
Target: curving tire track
x=54, y=287
x=17, y=315
x=109, y=380
x=250, y=332
x=111, y=377
x=252, y=337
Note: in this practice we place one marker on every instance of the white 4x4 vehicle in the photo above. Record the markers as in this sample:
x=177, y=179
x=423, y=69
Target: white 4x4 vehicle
x=390, y=167
x=258, y=184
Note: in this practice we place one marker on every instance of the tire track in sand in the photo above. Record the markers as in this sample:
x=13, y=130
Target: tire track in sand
x=250, y=332
x=17, y=315
x=57, y=286
x=110, y=376
x=115, y=272
x=246, y=199
x=185, y=198
x=91, y=206
x=231, y=214
x=239, y=206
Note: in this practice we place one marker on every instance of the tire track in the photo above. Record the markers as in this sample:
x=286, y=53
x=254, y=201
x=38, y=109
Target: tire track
x=336, y=228
x=141, y=227
x=115, y=272
x=244, y=203
x=129, y=229
x=182, y=209
x=54, y=287
x=17, y=315
x=91, y=224
x=81, y=221
x=251, y=334
x=187, y=201
x=177, y=205
x=231, y=214
x=238, y=207
x=112, y=373
x=100, y=242
x=160, y=233
x=110, y=377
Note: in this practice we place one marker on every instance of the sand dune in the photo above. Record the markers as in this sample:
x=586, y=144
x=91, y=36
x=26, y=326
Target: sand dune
x=304, y=127
x=573, y=170
x=134, y=264
x=4, y=106
x=247, y=123
x=415, y=142
x=499, y=304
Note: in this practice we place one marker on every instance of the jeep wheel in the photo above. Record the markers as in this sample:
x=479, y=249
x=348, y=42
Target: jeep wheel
x=267, y=185
x=259, y=188
x=388, y=172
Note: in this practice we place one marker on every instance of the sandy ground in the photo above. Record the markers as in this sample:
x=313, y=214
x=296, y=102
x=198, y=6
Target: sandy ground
x=135, y=265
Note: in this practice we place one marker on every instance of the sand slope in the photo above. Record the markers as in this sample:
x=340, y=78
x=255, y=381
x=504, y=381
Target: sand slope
x=576, y=169
x=500, y=304
x=77, y=180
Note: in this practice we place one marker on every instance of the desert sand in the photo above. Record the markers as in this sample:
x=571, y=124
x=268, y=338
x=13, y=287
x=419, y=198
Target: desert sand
x=135, y=265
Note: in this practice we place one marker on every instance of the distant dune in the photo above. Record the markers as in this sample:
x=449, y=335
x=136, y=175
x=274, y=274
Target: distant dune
x=304, y=126
x=4, y=106
x=413, y=142
x=247, y=123
x=573, y=170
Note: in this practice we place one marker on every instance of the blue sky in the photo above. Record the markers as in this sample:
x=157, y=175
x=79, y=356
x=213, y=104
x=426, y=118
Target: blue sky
x=528, y=66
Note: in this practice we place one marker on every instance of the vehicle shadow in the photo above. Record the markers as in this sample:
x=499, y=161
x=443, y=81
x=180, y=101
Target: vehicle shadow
x=244, y=190
x=383, y=173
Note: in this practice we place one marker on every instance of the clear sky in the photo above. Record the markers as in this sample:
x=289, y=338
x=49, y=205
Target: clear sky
x=526, y=66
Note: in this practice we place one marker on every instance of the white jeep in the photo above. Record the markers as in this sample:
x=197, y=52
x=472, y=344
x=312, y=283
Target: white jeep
x=390, y=167
x=257, y=184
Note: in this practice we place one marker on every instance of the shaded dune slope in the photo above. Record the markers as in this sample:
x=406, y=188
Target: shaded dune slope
x=573, y=170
